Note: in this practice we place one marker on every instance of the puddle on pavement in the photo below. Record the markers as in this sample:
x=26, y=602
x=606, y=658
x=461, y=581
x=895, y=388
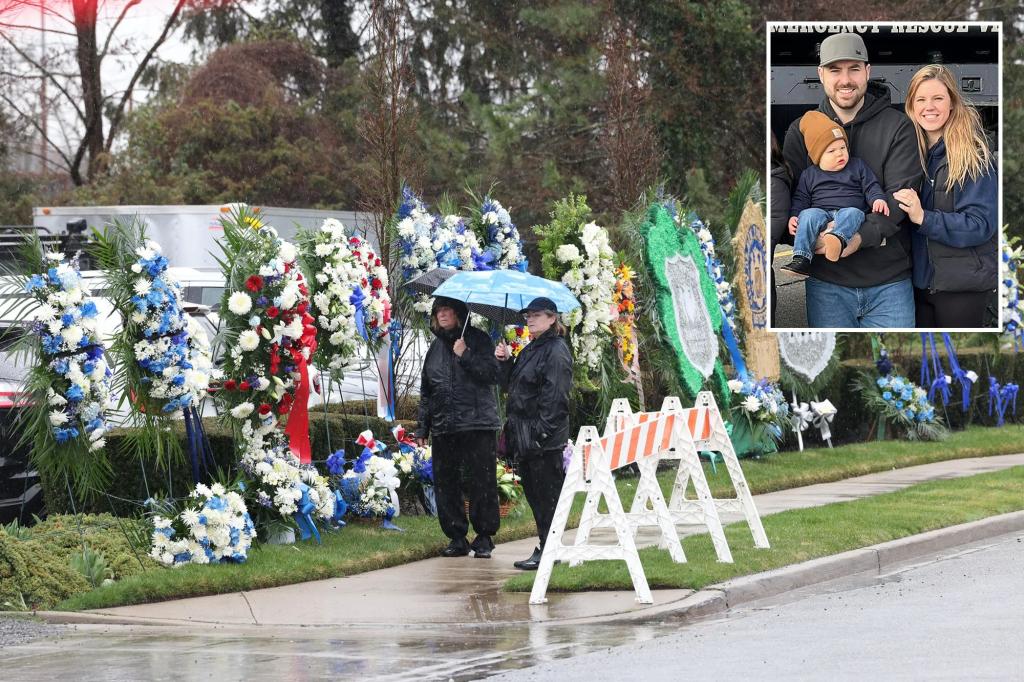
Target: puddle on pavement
x=419, y=652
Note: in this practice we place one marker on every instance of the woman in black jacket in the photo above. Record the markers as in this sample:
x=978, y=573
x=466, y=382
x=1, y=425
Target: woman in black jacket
x=459, y=410
x=537, y=428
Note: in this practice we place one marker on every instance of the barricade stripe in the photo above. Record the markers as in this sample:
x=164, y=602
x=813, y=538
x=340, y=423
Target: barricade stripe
x=634, y=443
x=666, y=436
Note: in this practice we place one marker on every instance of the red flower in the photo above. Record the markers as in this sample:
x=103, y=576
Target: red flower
x=244, y=386
x=264, y=409
x=376, y=283
x=254, y=283
x=230, y=385
x=272, y=311
x=376, y=262
x=302, y=308
x=283, y=409
x=303, y=290
x=287, y=267
x=307, y=319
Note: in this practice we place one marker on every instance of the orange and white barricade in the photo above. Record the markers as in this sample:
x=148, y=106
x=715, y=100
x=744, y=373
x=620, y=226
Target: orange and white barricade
x=709, y=434
x=648, y=500
x=590, y=471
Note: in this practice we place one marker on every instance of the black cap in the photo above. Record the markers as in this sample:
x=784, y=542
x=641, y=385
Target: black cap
x=541, y=303
x=455, y=304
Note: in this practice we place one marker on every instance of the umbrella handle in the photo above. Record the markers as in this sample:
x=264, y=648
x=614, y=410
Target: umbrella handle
x=466, y=323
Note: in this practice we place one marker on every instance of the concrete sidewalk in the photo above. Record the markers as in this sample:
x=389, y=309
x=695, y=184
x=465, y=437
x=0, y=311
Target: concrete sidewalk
x=467, y=591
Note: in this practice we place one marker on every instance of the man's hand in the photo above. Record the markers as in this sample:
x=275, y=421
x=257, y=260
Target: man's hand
x=502, y=352
x=911, y=205
x=879, y=206
x=460, y=347
x=421, y=442
x=792, y=225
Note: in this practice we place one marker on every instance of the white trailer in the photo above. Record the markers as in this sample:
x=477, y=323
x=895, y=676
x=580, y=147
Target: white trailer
x=189, y=235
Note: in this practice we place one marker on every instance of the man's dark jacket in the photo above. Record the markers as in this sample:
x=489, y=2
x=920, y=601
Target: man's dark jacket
x=538, y=383
x=458, y=393
x=884, y=138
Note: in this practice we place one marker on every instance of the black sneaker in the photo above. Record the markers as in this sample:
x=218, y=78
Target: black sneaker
x=482, y=546
x=798, y=266
x=456, y=548
x=530, y=564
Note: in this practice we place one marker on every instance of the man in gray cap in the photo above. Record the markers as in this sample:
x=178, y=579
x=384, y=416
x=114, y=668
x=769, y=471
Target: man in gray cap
x=870, y=286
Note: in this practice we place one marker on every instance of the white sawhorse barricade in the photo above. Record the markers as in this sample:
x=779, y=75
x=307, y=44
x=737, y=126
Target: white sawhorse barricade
x=644, y=439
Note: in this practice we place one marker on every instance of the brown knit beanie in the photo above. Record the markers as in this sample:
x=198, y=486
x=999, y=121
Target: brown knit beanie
x=819, y=132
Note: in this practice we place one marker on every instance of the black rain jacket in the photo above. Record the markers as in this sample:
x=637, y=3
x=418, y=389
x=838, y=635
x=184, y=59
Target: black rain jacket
x=538, y=384
x=458, y=393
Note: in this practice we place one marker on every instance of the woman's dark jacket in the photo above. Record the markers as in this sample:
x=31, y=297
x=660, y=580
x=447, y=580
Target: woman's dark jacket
x=956, y=246
x=538, y=384
x=458, y=393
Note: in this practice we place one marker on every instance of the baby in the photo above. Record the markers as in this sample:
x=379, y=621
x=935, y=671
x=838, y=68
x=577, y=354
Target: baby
x=836, y=188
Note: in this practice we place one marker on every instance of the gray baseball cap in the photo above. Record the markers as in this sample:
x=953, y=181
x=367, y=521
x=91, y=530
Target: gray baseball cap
x=842, y=46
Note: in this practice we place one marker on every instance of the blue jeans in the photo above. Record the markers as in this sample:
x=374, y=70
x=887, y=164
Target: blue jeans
x=812, y=221
x=886, y=306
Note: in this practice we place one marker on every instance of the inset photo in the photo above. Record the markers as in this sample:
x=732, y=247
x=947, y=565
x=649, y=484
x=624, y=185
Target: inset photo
x=885, y=195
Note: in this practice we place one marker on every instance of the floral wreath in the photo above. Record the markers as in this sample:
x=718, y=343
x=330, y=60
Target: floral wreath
x=265, y=312
x=763, y=403
x=71, y=382
x=1010, y=290
x=370, y=486
x=501, y=236
x=590, y=275
x=371, y=300
x=624, y=301
x=281, y=485
x=220, y=530
x=336, y=274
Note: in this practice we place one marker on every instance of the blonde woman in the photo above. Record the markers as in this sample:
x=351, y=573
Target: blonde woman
x=955, y=247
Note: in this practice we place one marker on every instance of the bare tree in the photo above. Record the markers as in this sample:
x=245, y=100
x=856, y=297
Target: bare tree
x=628, y=136
x=89, y=116
x=388, y=120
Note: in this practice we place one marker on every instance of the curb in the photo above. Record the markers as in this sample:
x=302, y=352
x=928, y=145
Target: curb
x=712, y=600
x=877, y=559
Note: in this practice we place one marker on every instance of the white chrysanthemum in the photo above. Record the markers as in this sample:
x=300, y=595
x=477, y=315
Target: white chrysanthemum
x=248, y=340
x=567, y=253
x=286, y=252
x=242, y=410
x=239, y=303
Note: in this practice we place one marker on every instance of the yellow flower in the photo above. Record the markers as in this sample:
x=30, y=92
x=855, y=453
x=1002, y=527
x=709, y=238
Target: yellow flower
x=253, y=222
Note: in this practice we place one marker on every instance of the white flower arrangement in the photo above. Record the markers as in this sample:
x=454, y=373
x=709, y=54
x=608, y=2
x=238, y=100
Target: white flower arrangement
x=78, y=398
x=417, y=229
x=1010, y=290
x=336, y=274
x=763, y=403
x=372, y=300
x=160, y=330
x=370, y=487
x=279, y=477
x=219, y=530
x=591, y=277
x=458, y=247
x=503, y=240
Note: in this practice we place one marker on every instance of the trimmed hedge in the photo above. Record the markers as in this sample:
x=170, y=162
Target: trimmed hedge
x=134, y=482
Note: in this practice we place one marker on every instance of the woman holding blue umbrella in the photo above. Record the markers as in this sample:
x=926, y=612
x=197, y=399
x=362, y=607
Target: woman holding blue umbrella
x=459, y=411
x=538, y=382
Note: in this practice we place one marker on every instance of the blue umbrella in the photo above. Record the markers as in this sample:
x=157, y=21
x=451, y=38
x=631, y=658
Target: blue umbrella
x=494, y=293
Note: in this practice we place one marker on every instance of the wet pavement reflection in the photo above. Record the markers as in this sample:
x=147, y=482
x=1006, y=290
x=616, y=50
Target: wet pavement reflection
x=421, y=652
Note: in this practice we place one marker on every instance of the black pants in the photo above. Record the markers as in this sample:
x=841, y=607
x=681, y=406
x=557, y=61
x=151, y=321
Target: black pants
x=950, y=309
x=542, y=482
x=466, y=460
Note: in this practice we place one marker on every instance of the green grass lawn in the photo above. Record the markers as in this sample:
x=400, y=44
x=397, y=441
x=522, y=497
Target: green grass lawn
x=360, y=547
x=804, y=534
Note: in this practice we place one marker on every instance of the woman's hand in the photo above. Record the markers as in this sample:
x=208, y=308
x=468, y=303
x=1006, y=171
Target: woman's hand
x=460, y=347
x=911, y=205
x=502, y=352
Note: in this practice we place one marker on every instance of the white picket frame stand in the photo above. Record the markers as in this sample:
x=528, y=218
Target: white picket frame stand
x=648, y=490
x=593, y=477
x=689, y=511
